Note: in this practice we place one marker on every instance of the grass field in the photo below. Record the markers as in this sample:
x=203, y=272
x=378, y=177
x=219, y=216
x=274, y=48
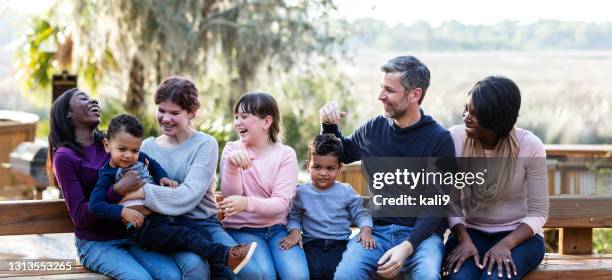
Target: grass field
x=566, y=96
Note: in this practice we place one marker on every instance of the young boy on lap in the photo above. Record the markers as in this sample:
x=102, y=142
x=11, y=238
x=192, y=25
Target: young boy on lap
x=323, y=210
x=152, y=230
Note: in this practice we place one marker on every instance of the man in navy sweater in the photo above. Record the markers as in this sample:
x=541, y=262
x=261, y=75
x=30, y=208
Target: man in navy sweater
x=412, y=245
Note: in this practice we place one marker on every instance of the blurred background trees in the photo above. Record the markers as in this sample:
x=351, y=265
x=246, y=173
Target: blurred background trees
x=122, y=50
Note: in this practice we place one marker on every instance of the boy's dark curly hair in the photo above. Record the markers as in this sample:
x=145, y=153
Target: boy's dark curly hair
x=325, y=145
x=126, y=123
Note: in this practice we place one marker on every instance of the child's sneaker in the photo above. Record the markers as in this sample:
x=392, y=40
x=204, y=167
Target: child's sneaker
x=239, y=256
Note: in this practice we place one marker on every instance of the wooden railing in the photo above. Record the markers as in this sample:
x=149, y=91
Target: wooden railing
x=567, y=166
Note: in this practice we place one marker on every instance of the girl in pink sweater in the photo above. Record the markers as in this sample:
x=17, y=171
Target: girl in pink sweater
x=500, y=235
x=258, y=181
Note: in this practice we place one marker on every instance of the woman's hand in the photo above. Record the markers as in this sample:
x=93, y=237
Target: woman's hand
x=294, y=237
x=365, y=237
x=464, y=250
x=130, y=182
x=500, y=255
x=233, y=204
x=168, y=183
x=138, y=194
x=240, y=158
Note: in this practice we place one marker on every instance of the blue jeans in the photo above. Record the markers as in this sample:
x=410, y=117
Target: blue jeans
x=269, y=260
x=123, y=259
x=359, y=263
x=526, y=256
x=212, y=227
x=323, y=256
x=172, y=234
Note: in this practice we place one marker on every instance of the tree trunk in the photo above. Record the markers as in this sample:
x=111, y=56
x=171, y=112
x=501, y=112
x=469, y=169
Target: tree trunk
x=135, y=97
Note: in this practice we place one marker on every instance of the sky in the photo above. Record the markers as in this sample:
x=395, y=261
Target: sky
x=476, y=11
x=437, y=11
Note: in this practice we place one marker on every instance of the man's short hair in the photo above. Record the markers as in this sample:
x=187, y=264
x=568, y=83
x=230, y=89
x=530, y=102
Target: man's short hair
x=414, y=73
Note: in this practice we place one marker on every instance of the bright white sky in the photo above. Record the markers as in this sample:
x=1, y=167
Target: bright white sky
x=477, y=11
x=439, y=11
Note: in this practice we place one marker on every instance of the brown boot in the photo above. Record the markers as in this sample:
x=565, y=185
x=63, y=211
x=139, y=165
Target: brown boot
x=239, y=256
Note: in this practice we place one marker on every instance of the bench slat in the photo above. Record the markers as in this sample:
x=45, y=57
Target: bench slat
x=76, y=272
x=34, y=217
x=80, y=276
x=51, y=216
x=576, y=211
x=557, y=266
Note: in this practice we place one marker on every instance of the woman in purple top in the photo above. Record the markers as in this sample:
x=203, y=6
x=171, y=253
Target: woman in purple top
x=76, y=154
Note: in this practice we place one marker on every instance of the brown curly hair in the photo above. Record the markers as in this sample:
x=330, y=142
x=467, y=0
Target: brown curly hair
x=180, y=91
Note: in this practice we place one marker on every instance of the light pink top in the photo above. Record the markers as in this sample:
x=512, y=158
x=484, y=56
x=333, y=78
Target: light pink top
x=525, y=200
x=269, y=184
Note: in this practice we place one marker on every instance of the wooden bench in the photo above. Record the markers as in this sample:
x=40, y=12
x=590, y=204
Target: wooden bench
x=576, y=216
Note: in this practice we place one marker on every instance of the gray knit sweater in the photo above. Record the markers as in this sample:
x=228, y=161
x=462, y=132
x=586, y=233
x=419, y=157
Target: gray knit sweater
x=193, y=164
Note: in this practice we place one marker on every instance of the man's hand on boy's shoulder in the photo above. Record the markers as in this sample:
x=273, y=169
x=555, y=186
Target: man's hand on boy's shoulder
x=168, y=183
x=366, y=239
x=294, y=237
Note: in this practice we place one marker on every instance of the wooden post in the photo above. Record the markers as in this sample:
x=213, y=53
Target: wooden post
x=565, y=181
x=575, y=241
x=551, y=180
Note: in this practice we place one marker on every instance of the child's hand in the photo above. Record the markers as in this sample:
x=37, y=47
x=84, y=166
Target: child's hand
x=132, y=216
x=137, y=194
x=233, y=204
x=168, y=183
x=294, y=237
x=240, y=158
x=129, y=182
x=365, y=237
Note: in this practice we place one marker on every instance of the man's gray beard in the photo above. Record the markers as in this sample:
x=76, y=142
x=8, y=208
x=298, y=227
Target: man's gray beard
x=395, y=114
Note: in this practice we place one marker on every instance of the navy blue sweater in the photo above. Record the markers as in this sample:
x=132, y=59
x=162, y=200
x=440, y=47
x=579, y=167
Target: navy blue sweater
x=99, y=204
x=380, y=137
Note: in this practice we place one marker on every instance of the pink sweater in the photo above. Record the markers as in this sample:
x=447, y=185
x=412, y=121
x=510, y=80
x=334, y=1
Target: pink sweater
x=525, y=200
x=269, y=184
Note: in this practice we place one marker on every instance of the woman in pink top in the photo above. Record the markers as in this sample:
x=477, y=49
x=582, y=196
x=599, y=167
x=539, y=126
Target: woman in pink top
x=258, y=181
x=502, y=220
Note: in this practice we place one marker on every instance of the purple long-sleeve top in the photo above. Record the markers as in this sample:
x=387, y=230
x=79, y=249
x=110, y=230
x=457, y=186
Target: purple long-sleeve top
x=77, y=175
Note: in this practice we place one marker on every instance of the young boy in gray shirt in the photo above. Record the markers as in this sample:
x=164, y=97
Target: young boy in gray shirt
x=323, y=210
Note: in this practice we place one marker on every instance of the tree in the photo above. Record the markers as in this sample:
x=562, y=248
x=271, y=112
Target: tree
x=154, y=38
x=227, y=47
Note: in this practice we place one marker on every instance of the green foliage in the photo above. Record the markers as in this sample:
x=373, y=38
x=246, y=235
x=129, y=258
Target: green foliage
x=112, y=107
x=311, y=90
x=602, y=241
x=47, y=49
x=226, y=47
x=35, y=61
x=236, y=38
